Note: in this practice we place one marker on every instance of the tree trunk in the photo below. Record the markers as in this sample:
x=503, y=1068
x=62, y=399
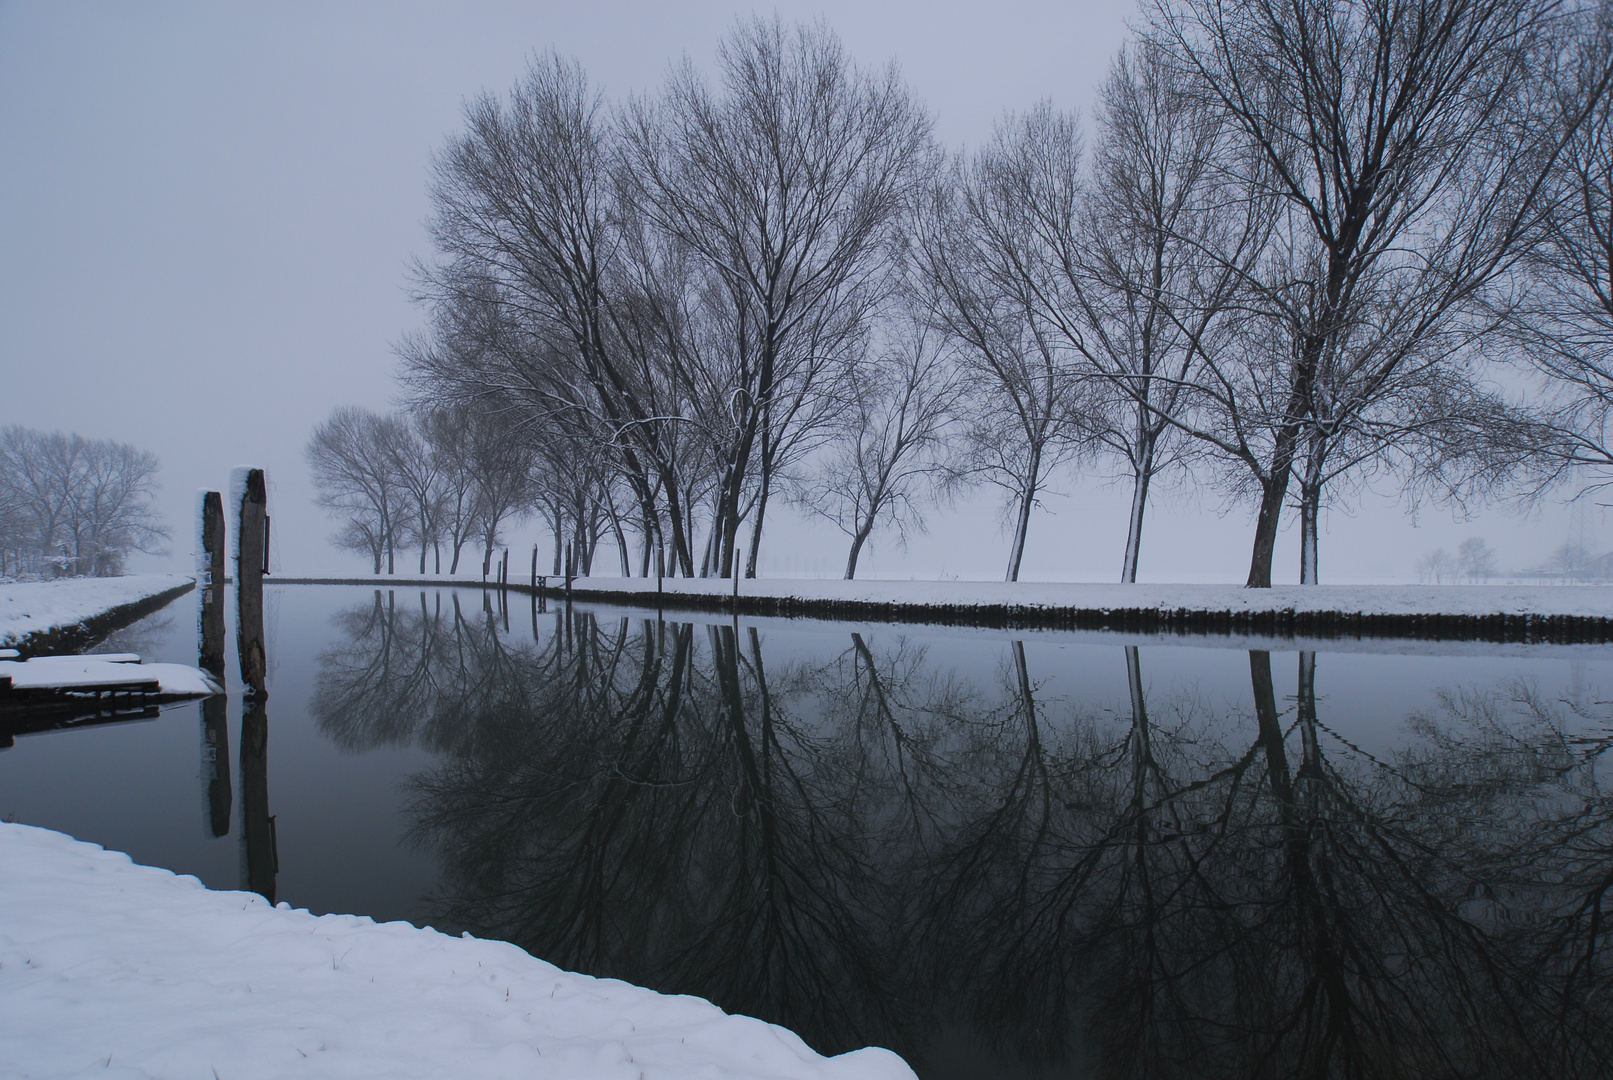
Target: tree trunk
x=1139, y=503
x=1310, y=507
x=459, y=546
x=1016, y=551
x=730, y=535
x=1310, y=500
x=1273, y=491
x=856, y=549
x=756, y=529
x=559, y=542
x=705, y=560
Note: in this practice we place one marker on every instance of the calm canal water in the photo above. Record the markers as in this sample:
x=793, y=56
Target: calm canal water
x=1001, y=854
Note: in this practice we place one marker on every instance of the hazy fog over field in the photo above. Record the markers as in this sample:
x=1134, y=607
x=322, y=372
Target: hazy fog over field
x=207, y=218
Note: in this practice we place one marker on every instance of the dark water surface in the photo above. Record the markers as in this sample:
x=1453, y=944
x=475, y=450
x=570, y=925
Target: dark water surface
x=1003, y=854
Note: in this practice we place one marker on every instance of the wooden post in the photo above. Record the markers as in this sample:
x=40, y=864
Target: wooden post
x=249, y=562
x=211, y=579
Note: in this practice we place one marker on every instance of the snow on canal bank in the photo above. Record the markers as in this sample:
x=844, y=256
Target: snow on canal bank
x=1575, y=600
x=35, y=609
x=110, y=969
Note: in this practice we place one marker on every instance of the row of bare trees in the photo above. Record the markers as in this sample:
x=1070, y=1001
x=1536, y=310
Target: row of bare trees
x=428, y=479
x=1312, y=246
x=74, y=506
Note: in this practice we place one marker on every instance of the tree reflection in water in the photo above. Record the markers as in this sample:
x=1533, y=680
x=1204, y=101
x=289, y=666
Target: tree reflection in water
x=872, y=850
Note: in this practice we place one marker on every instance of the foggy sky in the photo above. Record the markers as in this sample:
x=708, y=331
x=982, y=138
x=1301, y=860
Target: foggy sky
x=207, y=214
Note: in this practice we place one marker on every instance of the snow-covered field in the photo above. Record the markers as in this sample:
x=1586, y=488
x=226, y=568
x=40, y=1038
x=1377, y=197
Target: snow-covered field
x=33, y=607
x=109, y=969
x=1575, y=600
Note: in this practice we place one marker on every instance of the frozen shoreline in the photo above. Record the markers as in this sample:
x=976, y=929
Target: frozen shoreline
x=64, y=615
x=1565, y=613
x=111, y=969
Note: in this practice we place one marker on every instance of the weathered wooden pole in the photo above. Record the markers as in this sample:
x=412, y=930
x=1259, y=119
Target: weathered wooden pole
x=251, y=555
x=210, y=577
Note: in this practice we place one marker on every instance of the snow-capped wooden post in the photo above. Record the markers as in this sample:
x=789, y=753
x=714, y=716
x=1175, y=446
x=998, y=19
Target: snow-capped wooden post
x=210, y=576
x=247, y=484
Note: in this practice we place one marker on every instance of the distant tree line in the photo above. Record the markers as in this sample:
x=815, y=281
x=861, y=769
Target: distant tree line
x=1307, y=248
x=74, y=506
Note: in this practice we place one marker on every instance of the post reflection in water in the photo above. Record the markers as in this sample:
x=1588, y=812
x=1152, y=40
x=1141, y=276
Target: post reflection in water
x=215, y=722
x=260, y=860
x=870, y=849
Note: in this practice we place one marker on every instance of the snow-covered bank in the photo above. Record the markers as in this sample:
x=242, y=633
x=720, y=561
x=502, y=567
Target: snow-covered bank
x=59, y=612
x=1484, y=612
x=1574, y=600
x=111, y=969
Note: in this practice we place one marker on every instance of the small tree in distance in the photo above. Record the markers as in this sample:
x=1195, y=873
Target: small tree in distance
x=1475, y=562
x=73, y=506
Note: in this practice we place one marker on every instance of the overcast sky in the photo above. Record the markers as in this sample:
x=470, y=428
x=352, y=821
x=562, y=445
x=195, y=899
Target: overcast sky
x=207, y=214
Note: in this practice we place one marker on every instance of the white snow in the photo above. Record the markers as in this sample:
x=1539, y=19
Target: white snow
x=232, y=515
x=174, y=680
x=109, y=969
x=1366, y=599
x=1592, y=600
x=36, y=606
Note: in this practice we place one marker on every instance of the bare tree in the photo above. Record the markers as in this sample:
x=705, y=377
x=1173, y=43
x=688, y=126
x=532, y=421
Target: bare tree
x=1562, y=321
x=1407, y=148
x=787, y=187
x=355, y=476
x=448, y=433
x=888, y=452
x=976, y=240
x=525, y=219
x=1436, y=566
x=1475, y=560
x=1143, y=267
x=70, y=505
x=417, y=471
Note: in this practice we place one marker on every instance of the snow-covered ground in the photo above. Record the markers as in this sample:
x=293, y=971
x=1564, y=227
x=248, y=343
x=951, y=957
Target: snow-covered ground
x=33, y=607
x=1576, y=600
x=109, y=969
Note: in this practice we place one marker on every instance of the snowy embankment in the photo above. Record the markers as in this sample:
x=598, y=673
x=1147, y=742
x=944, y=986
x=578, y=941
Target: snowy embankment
x=109, y=969
x=1583, y=600
x=68, y=613
x=1465, y=612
